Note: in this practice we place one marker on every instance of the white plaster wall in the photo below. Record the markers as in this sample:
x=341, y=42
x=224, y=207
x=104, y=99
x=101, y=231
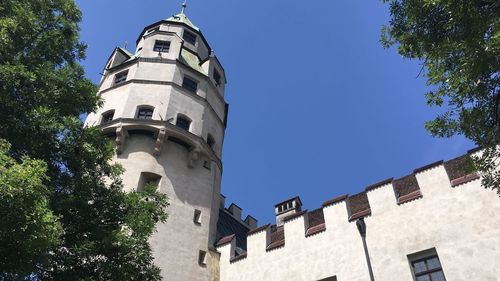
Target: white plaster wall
x=462, y=223
x=177, y=243
x=199, y=47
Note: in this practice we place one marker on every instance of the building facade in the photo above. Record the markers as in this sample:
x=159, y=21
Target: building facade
x=438, y=223
x=164, y=108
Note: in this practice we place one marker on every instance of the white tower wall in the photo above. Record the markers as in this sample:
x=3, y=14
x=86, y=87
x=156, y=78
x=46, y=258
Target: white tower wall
x=184, y=164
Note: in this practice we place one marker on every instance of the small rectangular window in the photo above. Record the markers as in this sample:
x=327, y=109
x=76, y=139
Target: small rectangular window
x=183, y=123
x=145, y=113
x=189, y=37
x=189, y=84
x=107, y=117
x=426, y=266
x=161, y=46
x=121, y=77
x=197, y=217
x=153, y=30
x=202, y=258
x=217, y=77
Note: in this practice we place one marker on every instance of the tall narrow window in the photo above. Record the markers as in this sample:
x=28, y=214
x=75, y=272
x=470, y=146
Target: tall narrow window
x=189, y=84
x=161, y=46
x=189, y=37
x=210, y=141
x=217, y=77
x=426, y=266
x=197, y=217
x=121, y=77
x=107, y=117
x=145, y=113
x=202, y=258
x=183, y=122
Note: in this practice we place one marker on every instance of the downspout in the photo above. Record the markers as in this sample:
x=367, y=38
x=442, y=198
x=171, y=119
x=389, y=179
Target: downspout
x=360, y=223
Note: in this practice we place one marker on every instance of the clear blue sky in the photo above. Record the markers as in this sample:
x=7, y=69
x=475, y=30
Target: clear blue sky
x=317, y=107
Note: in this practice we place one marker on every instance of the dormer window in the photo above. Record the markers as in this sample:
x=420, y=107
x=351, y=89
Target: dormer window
x=189, y=37
x=217, y=77
x=161, y=46
x=121, y=77
x=189, y=84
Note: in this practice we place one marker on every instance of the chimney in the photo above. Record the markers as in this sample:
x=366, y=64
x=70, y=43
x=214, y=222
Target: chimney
x=235, y=210
x=251, y=222
x=286, y=208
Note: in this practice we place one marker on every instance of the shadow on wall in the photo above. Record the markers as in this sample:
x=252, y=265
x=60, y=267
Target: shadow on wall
x=193, y=186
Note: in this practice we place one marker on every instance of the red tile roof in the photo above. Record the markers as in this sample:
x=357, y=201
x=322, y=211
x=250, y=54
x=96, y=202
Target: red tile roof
x=225, y=240
x=358, y=206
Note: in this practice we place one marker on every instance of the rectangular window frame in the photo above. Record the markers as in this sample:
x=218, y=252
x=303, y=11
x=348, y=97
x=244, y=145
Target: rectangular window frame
x=147, y=116
x=197, y=217
x=161, y=46
x=202, y=258
x=189, y=37
x=121, y=77
x=425, y=256
x=190, y=84
x=107, y=117
x=217, y=77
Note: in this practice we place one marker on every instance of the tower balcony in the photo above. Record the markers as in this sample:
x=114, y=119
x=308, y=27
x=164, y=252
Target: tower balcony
x=160, y=131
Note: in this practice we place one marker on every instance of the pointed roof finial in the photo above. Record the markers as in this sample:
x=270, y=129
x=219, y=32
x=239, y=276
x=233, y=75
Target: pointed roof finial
x=184, y=5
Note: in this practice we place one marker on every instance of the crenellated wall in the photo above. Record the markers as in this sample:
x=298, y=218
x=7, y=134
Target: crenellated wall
x=437, y=206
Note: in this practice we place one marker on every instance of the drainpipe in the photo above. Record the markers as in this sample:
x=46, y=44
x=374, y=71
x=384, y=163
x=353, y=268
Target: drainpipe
x=360, y=223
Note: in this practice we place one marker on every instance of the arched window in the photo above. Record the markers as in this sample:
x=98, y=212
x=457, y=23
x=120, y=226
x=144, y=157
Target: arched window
x=145, y=112
x=107, y=116
x=183, y=122
x=210, y=141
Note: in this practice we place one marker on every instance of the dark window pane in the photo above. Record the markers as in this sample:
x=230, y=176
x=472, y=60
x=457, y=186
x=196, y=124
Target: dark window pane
x=153, y=30
x=419, y=266
x=107, y=117
x=162, y=46
x=145, y=113
x=210, y=141
x=189, y=37
x=433, y=263
x=121, y=77
x=437, y=276
x=190, y=84
x=183, y=123
x=424, y=278
x=217, y=77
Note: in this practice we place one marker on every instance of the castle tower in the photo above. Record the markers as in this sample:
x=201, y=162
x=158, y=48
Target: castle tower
x=164, y=107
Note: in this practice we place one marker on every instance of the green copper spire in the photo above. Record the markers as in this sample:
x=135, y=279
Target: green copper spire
x=182, y=18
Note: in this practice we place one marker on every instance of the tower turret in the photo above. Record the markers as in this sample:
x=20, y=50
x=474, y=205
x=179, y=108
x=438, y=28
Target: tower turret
x=164, y=107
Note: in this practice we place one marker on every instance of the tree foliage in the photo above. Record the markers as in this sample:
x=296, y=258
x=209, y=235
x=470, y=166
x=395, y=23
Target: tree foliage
x=458, y=43
x=89, y=228
x=31, y=228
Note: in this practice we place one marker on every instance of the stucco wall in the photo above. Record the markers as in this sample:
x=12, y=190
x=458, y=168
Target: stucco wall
x=191, y=182
x=461, y=223
x=177, y=243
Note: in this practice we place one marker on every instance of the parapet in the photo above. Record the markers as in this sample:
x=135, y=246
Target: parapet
x=340, y=211
x=235, y=211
